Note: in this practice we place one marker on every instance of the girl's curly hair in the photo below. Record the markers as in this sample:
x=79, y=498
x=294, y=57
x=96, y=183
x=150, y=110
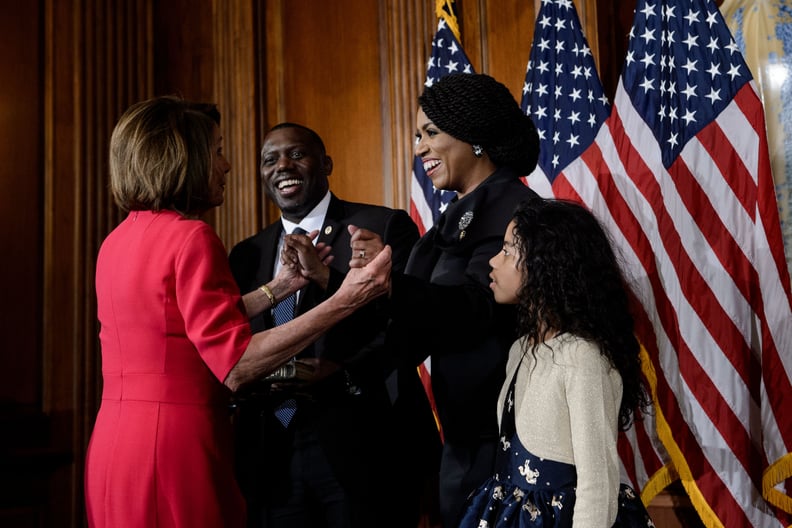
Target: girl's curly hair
x=572, y=283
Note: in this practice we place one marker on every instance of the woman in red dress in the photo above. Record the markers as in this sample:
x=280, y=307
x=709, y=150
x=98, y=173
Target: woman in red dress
x=174, y=330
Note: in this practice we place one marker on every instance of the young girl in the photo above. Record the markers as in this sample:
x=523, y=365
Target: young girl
x=573, y=378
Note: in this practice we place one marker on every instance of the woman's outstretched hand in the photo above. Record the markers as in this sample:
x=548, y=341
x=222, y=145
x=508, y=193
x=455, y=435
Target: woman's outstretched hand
x=362, y=284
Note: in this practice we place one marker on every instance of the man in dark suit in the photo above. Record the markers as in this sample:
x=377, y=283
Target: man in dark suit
x=327, y=466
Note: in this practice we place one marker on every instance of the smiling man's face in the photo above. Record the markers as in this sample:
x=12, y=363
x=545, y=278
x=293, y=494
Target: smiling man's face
x=294, y=171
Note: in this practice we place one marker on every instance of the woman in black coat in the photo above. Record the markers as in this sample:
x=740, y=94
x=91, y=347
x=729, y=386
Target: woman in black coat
x=473, y=139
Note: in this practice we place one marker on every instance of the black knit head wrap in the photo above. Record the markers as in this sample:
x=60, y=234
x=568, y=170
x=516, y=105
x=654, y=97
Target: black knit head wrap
x=477, y=109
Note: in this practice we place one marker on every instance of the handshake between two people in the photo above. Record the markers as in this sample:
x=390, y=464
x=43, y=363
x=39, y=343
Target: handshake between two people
x=303, y=262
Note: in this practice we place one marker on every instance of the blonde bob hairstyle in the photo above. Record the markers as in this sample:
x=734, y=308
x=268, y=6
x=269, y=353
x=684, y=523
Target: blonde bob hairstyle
x=161, y=155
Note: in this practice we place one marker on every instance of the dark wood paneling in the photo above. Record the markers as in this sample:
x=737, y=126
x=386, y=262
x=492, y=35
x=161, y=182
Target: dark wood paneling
x=330, y=81
x=21, y=199
x=182, y=52
x=97, y=62
x=236, y=89
x=497, y=36
x=405, y=44
x=509, y=30
x=614, y=22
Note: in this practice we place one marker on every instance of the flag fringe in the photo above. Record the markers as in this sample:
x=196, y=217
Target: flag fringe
x=679, y=465
x=775, y=474
x=664, y=476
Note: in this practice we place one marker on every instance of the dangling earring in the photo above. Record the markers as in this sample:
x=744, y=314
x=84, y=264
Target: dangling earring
x=478, y=151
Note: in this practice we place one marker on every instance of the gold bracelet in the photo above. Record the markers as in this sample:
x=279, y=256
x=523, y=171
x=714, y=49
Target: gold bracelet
x=269, y=295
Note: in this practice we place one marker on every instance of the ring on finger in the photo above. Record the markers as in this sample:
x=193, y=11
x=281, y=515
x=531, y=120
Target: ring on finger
x=362, y=254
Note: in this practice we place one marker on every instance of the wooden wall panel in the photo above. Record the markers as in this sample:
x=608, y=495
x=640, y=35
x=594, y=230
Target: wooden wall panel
x=405, y=46
x=329, y=79
x=24, y=462
x=497, y=36
x=21, y=200
x=509, y=29
x=182, y=52
x=95, y=66
x=613, y=22
x=235, y=88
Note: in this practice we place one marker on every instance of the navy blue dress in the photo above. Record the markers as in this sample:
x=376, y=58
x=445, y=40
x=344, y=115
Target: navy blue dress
x=546, y=502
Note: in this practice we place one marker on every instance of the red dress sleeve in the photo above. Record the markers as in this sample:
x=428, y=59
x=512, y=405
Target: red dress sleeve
x=210, y=303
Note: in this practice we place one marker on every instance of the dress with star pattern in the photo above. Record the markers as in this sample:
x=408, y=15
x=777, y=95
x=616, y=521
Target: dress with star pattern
x=529, y=491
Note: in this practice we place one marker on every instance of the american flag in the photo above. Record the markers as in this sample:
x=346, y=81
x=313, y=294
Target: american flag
x=564, y=97
x=426, y=202
x=678, y=170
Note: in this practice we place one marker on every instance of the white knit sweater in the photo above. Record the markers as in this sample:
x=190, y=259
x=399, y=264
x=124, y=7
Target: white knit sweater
x=566, y=409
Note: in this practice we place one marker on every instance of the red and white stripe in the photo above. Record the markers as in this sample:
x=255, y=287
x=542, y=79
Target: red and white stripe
x=702, y=247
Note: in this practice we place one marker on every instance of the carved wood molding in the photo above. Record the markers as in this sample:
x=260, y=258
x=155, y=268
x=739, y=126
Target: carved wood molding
x=236, y=89
x=97, y=62
x=406, y=39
